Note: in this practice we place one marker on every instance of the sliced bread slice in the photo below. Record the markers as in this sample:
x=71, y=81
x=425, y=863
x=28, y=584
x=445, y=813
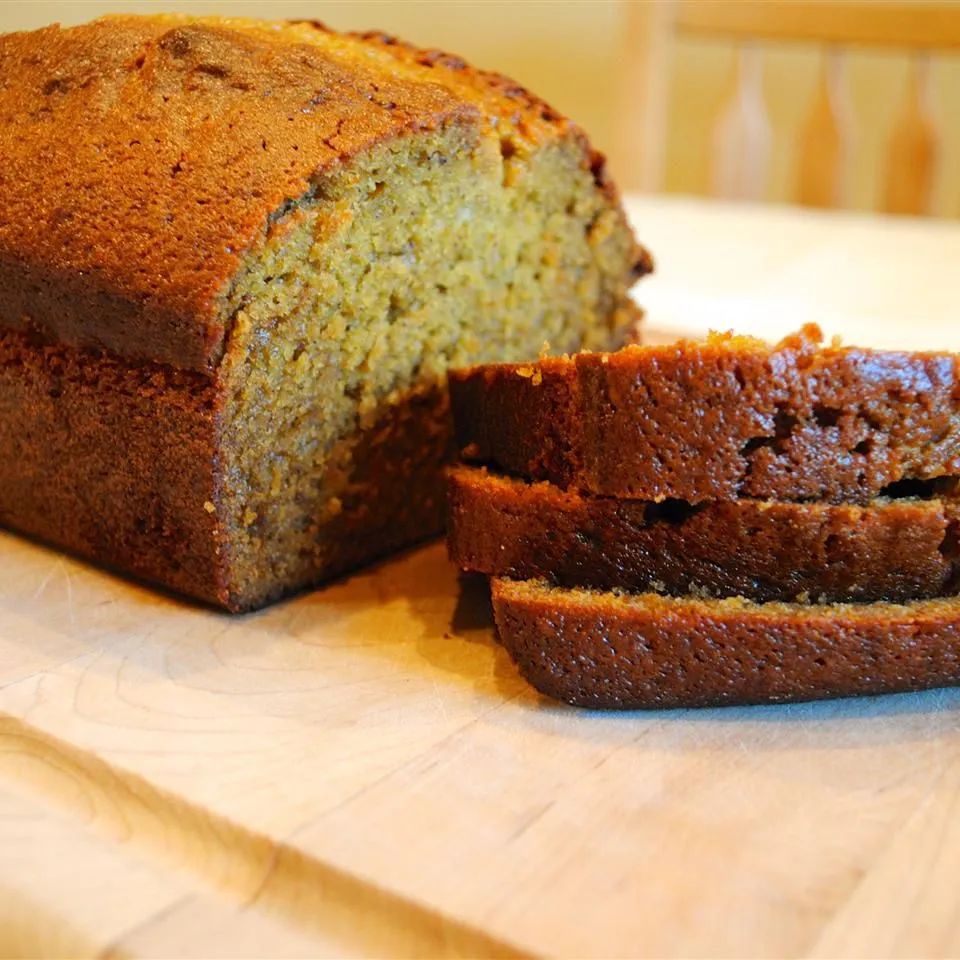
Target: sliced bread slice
x=719, y=419
x=611, y=649
x=891, y=549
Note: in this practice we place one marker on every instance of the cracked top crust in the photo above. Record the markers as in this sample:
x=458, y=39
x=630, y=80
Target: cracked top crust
x=145, y=157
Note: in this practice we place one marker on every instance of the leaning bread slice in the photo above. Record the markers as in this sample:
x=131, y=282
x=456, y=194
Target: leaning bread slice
x=645, y=650
x=891, y=549
x=719, y=419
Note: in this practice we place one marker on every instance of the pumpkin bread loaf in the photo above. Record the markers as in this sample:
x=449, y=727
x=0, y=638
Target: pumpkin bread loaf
x=236, y=261
x=720, y=419
x=645, y=650
x=890, y=549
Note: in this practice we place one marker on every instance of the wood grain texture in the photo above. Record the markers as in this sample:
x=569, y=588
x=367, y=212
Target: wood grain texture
x=639, y=153
x=825, y=138
x=822, y=153
x=68, y=891
x=308, y=908
x=880, y=23
x=367, y=751
x=741, y=137
x=914, y=147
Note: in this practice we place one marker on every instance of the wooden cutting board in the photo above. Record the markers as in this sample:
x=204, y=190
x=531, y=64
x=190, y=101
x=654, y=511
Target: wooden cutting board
x=369, y=747
x=78, y=894
x=361, y=771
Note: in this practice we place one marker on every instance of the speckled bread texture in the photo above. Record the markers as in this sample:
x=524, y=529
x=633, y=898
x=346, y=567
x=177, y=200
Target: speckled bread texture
x=236, y=260
x=719, y=419
x=891, y=549
x=649, y=651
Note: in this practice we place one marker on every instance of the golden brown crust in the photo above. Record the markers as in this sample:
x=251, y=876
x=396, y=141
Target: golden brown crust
x=717, y=420
x=187, y=137
x=765, y=550
x=647, y=651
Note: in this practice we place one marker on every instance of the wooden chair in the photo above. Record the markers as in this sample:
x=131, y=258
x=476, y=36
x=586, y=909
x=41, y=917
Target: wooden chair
x=742, y=134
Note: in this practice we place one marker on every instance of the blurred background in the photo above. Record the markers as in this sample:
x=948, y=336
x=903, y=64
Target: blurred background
x=772, y=100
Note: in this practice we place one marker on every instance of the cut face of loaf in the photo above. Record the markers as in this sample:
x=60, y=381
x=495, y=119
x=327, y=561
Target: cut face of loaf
x=648, y=651
x=227, y=330
x=902, y=549
x=720, y=419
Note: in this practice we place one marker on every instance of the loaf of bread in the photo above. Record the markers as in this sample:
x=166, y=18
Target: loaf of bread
x=891, y=549
x=236, y=261
x=645, y=650
x=719, y=419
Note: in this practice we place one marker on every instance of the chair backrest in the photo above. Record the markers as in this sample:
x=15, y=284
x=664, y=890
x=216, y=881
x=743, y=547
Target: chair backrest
x=741, y=138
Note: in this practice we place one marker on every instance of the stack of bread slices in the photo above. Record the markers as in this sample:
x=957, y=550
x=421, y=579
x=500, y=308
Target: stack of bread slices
x=715, y=522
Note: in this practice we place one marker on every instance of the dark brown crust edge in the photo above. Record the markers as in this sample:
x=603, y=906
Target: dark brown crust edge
x=651, y=653
x=113, y=461
x=717, y=420
x=117, y=463
x=764, y=550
